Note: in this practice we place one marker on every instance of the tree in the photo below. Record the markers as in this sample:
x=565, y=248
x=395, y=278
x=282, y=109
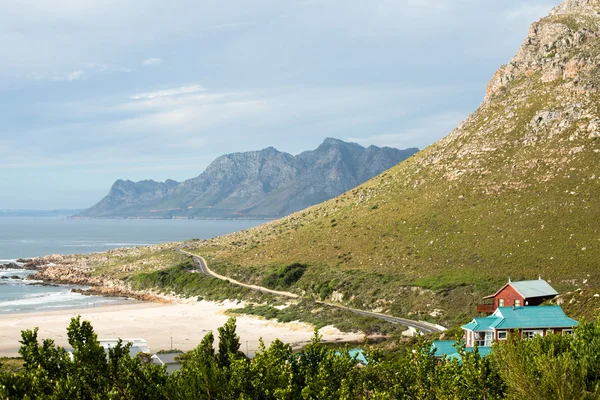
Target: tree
x=50, y=372
x=229, y=343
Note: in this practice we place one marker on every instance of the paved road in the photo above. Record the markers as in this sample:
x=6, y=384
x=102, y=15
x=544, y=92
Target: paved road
x=200, y=262
x=422, y=326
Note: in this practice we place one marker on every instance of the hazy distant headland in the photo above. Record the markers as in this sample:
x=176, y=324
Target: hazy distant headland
x=261, y=184
x=39, y=213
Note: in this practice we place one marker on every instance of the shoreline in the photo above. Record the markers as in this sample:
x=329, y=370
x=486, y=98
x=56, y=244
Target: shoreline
x=182, y=324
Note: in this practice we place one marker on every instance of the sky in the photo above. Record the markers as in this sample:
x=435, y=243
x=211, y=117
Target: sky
x=98, y=90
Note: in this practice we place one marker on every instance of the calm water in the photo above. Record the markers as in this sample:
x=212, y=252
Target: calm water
x=31, y=237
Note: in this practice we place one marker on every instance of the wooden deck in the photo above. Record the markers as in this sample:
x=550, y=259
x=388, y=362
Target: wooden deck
x=485, y=308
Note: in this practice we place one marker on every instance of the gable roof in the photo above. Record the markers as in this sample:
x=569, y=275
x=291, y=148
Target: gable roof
x=480, y=324
x=529, y=289
x=531, y=317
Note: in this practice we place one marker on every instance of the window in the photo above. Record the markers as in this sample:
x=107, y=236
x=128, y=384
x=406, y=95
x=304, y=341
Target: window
x=500, y=302
x=517, y=303
x=483, y=338
x=501, y=335
x=532, y=334
x=567, y=331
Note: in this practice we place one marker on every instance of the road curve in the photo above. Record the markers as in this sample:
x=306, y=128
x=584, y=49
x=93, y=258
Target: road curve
x=422, y=326
x=202, y=266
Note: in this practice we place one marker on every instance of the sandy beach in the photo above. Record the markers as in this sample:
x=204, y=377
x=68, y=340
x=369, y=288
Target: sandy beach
x=184, y=324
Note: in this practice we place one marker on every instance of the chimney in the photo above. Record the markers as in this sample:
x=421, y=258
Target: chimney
x=539, y=277
x=509, y=279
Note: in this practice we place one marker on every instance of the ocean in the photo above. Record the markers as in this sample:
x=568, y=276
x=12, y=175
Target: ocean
x=31, y=237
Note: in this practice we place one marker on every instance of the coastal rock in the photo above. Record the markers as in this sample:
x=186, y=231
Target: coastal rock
x=10, y=265
x=80, y=270
x=45, y=284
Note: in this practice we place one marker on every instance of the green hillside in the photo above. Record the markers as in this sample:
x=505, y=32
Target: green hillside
x=513, y=191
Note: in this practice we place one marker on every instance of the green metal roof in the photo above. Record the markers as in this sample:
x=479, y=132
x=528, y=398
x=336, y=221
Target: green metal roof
x=446, y=348
x=480, y=324
x=360, y=356
x=536, y=288
x=530, y=317
x=529, y=289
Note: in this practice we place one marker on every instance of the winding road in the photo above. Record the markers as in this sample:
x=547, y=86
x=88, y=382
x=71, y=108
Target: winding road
x=422, y=326
x=202, y=266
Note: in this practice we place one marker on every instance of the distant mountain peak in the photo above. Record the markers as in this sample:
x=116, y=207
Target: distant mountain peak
x=329, y=143
x=331, y=140
x=270, y=150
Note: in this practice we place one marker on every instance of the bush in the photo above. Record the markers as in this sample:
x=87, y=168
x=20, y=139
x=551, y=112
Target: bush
x=285, y=276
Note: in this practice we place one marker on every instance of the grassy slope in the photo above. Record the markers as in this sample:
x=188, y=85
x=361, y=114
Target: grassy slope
x=501, y=196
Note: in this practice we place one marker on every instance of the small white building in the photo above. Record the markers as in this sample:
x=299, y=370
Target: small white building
x=138, y=345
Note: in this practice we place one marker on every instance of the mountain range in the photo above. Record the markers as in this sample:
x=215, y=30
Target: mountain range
x=256, y=184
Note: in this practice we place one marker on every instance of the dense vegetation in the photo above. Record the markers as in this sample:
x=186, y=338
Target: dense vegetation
x=551, y=367
x=285, y=276
x=320, y=315
x=180, y=279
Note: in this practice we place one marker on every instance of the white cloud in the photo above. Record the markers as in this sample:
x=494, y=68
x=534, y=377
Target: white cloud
x=152, y=61
x=168, y=92
x=69, y=76
x=75, y=75
x=85, y=71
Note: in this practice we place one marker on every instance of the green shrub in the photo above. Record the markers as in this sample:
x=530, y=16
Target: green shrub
x=285, y=276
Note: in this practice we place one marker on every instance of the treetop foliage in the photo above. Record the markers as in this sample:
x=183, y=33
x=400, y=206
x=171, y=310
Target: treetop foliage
x=550, y=367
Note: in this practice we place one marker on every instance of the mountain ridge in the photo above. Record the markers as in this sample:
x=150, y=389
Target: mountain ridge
x=265, y=183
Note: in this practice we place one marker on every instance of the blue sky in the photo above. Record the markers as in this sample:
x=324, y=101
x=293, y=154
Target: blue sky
x=97, y=90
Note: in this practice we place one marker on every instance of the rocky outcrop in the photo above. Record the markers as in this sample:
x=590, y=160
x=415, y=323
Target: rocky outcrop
x=79, y=270
x=10, y=265
x=256, y=184
x=552, y=50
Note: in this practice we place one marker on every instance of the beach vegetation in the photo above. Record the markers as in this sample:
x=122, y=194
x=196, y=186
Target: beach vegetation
x=320, y=315
x=170, y=351
x=549, y=367
x=183, y=280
